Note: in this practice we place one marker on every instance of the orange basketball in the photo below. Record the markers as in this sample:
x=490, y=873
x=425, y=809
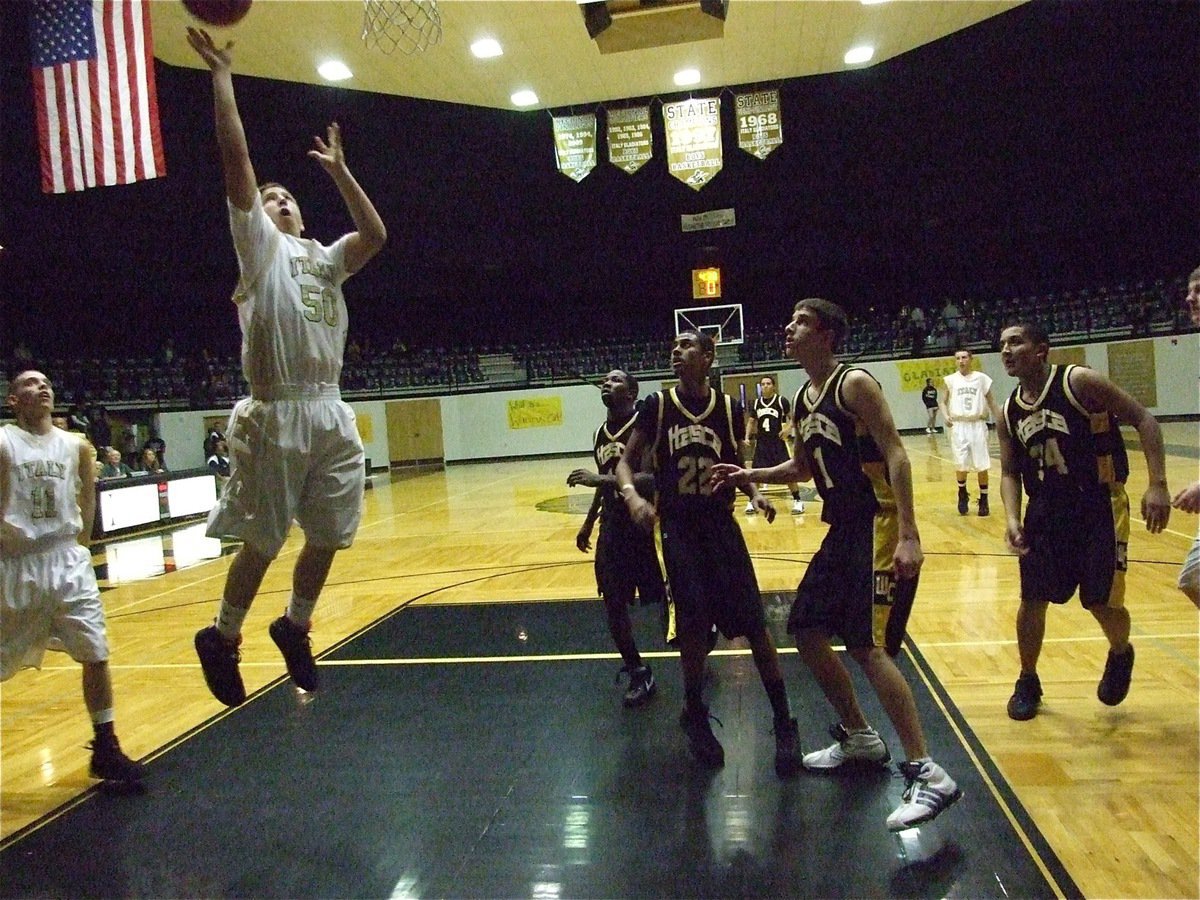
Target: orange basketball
x=220, y=13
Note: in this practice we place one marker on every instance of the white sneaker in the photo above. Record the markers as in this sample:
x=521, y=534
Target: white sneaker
x=859, y=748
x=929, y=790
x=750, y=510
x=797, y=507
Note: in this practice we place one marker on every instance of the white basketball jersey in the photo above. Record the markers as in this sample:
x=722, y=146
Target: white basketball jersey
x=290, y=304
x=965, y=394
x=43, y=488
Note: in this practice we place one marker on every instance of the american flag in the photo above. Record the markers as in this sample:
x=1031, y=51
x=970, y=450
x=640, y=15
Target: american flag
x=94, y=94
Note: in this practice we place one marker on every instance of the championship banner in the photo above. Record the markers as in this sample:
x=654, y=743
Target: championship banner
x=630, y=144
x=693, y=130
x=759, y=122
x=575, y=145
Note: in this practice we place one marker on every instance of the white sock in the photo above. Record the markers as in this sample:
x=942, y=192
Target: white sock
x=230, y=619
x=300, y=610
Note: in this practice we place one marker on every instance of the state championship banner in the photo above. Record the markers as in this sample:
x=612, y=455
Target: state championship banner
x=575, y=145
x=759, y=122
x=693, y=129
x=630, y=144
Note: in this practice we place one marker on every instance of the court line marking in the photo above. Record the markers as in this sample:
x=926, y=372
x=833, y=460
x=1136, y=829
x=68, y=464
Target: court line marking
x=919, y=665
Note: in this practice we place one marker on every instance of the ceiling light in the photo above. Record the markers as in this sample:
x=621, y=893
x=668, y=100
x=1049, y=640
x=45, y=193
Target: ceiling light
x=524, y=98
x=856, y=55
x=687, y=76
x=873, y=2
x=487, y=48
x=334, y=70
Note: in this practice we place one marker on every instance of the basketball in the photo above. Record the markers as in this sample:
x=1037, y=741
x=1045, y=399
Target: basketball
x=220, y=13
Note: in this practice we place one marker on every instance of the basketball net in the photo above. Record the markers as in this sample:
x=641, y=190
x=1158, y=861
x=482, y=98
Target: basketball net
x=404, y=25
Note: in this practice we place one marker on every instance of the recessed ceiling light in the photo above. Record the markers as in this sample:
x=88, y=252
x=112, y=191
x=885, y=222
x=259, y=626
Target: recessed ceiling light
x=486, y=48
x=873, y=2
x=856, y=55
x=687, y=76
x=524, y=98
x=334, y=70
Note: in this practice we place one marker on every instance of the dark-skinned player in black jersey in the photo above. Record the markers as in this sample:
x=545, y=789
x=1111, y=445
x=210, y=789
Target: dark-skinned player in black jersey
x=688, y=429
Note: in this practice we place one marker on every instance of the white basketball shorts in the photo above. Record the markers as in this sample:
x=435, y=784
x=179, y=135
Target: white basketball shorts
x=969, y=447
x=291, y=459
x=50, y=601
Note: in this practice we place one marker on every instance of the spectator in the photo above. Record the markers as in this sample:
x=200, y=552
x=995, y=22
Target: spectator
x=114, y=466
x=159, y=446
x=149, y=461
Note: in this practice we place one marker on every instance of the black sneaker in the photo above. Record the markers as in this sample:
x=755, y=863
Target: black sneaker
x=219, y=659
x=1027, y=694
x=964, y=500
x=1114, y=684
x=293, y=642
x=641, y=686
x=702, y=743
x=110, y=764
x=787, y=748
x=983, y=505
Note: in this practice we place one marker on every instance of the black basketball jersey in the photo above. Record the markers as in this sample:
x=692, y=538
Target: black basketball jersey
x=929, y=396
x=687, y=444
x=608, y=445
x=847, y=466
x=1063, y=449
x=771, y=417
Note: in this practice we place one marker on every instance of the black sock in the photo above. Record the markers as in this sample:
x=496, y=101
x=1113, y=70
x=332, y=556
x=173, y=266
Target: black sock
x=104, y=730
x=796, y=495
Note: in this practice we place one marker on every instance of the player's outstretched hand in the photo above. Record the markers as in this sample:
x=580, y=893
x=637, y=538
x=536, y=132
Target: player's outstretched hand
x=1156, y=508
x=1188, y=500
x=217, y=58
x=329, y=152
x=722, y=474
x=584, y=477
x=766, y=507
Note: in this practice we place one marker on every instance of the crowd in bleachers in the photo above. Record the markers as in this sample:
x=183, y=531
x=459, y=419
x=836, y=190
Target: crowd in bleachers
x=204, y=379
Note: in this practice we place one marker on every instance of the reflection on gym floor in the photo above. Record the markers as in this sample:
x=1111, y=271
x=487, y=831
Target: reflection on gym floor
x=148, y=556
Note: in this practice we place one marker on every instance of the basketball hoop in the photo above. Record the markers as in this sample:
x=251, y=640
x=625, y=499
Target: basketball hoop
x=405, y=25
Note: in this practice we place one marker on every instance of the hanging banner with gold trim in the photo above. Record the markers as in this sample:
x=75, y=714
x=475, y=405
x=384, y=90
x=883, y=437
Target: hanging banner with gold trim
x=759, y=122
x=693, y=129
x=630, y=144
x=575, y=145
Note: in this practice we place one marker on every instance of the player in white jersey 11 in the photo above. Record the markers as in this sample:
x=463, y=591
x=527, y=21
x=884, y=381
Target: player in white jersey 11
x=49, y=598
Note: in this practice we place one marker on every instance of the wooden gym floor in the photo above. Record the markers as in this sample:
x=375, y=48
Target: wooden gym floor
x=468, y=739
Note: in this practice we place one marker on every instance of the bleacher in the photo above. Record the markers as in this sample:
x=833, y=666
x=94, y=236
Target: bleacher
x=210, y=380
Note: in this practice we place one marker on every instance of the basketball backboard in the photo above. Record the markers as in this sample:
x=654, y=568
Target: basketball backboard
x=722, y=322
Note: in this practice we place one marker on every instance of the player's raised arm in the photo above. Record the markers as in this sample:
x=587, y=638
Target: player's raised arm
x=371, y=233
x=240, y=184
